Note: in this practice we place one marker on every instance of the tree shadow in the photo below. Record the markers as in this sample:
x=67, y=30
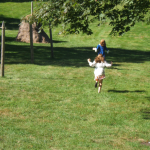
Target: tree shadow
x=126, y=91
x=12, y=39
x=76, y=57
x=64, y=56
x=55, y=41
x=148, y=98
x=145, y=113
x=133, y=56
x=10, y=23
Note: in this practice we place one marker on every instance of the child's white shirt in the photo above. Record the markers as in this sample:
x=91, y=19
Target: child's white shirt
x=99, y=67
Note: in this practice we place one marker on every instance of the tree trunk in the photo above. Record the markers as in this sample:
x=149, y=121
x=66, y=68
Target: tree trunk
x=31, y=45
x=51, y=41
x=31, y=37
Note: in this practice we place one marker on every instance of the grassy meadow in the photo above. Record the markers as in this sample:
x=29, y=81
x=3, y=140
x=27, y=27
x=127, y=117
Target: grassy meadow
x=53, y=104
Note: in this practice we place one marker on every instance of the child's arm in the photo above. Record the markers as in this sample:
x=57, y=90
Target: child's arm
x=107, y=50
x=89, y=60
x=92, y=64
x=108, y=65
x=95, y=49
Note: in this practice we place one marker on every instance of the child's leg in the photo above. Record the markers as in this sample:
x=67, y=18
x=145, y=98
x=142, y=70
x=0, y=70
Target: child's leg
x=100, y=85
x=96, y=79
x=96, y=83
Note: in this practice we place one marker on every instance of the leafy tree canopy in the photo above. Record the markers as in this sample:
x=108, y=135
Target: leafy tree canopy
x=76, y=15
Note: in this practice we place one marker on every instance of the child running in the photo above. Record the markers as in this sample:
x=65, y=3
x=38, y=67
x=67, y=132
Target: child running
x=99, y=63
x=101, y=48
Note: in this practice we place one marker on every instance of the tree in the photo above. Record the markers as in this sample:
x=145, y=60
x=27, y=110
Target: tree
x=76, y=15
x=48, y=13
x=122, y=14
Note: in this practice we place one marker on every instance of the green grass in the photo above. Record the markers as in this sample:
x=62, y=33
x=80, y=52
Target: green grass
x=53, y=104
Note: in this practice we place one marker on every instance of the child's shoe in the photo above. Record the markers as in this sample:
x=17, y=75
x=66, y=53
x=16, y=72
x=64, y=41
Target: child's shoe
x=95, y=84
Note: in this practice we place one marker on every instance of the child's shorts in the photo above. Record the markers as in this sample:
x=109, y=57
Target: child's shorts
x=100, y=77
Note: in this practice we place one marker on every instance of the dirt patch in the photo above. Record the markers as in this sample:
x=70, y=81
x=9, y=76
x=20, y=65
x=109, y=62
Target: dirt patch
x=146, y=143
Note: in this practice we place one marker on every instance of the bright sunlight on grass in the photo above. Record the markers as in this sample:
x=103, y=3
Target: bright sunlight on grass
x=53, y=104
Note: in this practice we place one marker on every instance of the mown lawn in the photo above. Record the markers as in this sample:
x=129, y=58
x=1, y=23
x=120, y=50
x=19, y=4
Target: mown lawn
x=53, y=104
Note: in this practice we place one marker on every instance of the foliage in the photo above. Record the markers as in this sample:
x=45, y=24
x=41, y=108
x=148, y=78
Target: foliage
x=78, y=14
x=48, y=14
x=131, y=12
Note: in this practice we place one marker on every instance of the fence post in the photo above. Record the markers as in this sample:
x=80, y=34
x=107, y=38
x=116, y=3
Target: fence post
x=2, y=48
x=31, y=37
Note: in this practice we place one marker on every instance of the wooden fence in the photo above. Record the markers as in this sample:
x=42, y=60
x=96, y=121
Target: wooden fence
x=2, y=48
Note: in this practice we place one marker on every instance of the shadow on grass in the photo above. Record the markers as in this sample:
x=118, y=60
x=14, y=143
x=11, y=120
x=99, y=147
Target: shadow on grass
x=12, y=39
x=64, y=56
x=148, y=98
x=10, y=23
x=145, y=113
x=126, y=91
